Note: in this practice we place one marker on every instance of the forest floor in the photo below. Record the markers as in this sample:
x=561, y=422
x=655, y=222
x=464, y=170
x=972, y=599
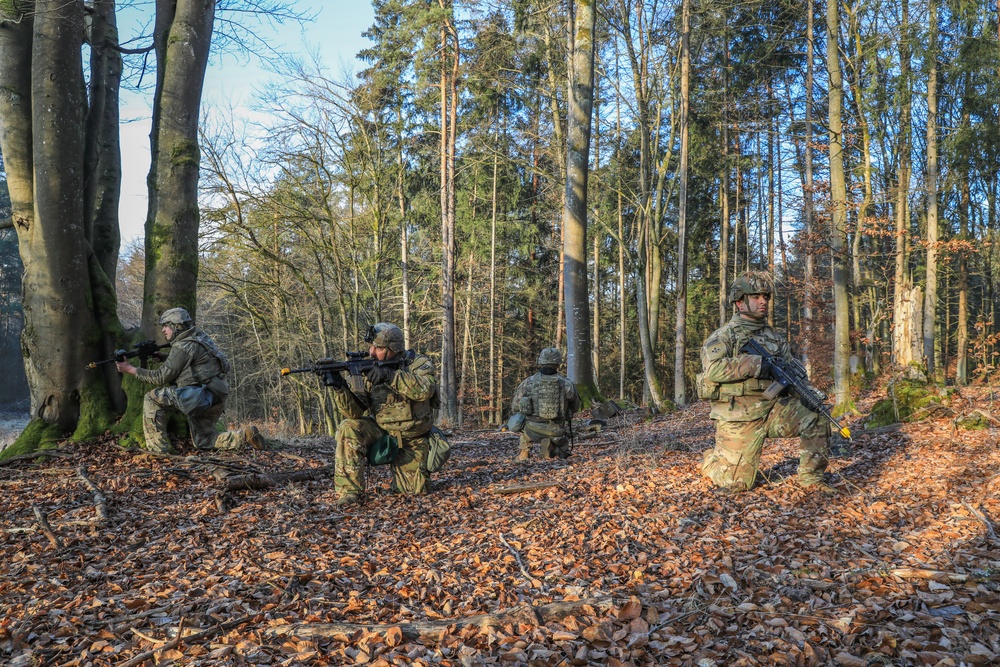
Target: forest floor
x=621, y=555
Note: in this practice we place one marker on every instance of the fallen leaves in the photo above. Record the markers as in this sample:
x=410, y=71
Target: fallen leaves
x=901, y=568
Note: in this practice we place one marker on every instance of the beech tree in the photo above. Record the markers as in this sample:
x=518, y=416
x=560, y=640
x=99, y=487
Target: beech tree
x=581, y=103
x=59, y=136
x=51, y=138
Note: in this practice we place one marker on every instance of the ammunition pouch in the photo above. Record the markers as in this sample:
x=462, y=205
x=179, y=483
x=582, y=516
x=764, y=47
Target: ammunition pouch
x=744, y=388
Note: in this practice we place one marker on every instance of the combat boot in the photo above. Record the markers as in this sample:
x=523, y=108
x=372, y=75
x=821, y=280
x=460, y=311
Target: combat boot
x=822, y=487
x=253, y=438
x=523, y=456
x=732, y=489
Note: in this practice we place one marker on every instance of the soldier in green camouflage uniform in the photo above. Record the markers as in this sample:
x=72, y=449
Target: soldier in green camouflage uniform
x=735, y=383
x=395, y=403
x=192, y=381
x=547, y=400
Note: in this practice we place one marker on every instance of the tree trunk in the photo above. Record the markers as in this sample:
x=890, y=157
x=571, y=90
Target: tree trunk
x=807, y=196
x=67, y=300
x=102, y=153
x=182, y=36
x=404, y=243
x=931, y=185
x=497, y=409
x=902, y=342
x=581, y=100
x=724, y=307
x=680, y=347
x=838, y=210
x=449, y=99
x=964, y=205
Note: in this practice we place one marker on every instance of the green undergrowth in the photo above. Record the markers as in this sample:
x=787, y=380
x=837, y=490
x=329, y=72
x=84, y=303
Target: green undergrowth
x=905, y=400
x=973, y=422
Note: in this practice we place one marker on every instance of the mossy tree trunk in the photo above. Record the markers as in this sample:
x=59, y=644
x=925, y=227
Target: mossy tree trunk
x=182, y=37
x=67, y=298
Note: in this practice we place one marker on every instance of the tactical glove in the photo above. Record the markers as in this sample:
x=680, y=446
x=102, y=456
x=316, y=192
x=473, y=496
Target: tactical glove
x=334, y=379
x=765, y=369
x=380, y=374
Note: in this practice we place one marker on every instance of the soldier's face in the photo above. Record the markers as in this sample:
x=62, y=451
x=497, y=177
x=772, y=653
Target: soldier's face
x=168, y=332
x=753, y=306
x=380, y=353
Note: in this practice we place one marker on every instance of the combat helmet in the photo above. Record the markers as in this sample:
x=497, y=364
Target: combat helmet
x=550, y=356
x=386, y=335
x=175, y=317
x=751, y=282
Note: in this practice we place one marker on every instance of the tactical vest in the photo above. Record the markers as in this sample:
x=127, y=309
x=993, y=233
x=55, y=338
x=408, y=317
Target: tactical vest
x=211, y=366
x=549, y=397
x=397, y=414
x=735, y=337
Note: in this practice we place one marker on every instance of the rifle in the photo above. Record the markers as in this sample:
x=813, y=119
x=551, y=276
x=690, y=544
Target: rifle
x=356, y=365
x=792, y=374
x=569, y=423
x=144, y=349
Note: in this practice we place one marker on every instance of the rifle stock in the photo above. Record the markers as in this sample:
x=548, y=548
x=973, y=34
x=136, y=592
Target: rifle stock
x=792, y=375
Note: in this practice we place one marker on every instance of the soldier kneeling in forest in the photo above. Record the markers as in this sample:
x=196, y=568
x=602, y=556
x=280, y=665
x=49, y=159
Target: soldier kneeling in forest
x=542, y=408
x=735, y=382
x=395, y=409
x=192, y=381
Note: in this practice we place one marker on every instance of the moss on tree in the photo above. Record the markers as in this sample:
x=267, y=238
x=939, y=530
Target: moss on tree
x=130, y=424
x=588, y=394
x=185, y=153
x=96, y=412
x=37, y=436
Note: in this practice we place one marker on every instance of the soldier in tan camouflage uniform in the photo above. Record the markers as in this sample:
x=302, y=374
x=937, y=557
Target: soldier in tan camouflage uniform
x=735, y=383
x=395, y=403
x=546, y=400
x=192, y=381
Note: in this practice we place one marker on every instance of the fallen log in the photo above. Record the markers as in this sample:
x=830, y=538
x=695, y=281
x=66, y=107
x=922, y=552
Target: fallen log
x=932, y=575
x=34, y=455
x=990, y=532
x=268, y=480
x=891, y=428
x=43, y=525
x=100, y=500
x=524, y=488
x=189, y=640
x=435, y=630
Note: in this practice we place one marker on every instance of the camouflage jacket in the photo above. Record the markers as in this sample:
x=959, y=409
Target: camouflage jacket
x=404, y=405
x=528, y=398
x=194, y=360
x=733, y=374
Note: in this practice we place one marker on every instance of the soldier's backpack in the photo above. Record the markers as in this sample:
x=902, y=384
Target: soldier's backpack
x=439, y=450
x=549, y=397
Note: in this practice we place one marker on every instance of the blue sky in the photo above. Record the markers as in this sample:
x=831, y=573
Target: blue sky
x=335, y=34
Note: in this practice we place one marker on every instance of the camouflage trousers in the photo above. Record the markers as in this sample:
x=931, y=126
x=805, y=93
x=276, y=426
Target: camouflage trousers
x=738, y=445
x=355, y=436
x=157, y=406
x=551, y=438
